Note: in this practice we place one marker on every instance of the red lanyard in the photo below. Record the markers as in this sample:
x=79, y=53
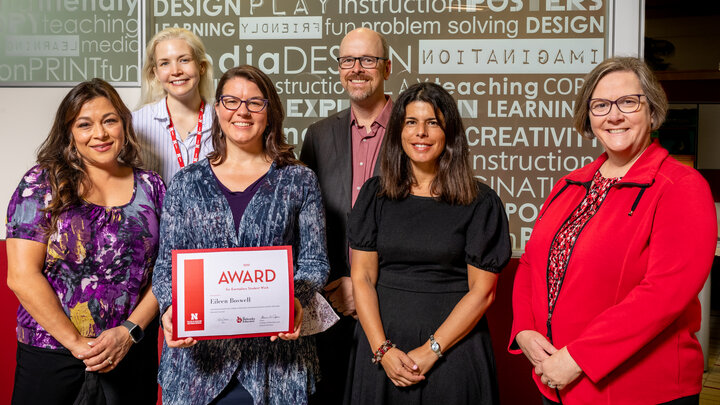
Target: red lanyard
x=196, y=155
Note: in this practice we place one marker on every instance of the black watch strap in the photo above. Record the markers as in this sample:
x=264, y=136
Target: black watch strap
x=136, y=332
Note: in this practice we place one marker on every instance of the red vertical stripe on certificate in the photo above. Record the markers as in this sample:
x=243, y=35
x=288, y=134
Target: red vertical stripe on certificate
x=194, y=295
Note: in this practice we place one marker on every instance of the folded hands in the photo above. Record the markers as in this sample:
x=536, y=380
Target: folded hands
x=556, y=368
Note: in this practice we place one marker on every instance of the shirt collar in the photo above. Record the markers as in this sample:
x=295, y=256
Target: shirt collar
x=159, y=112
x=381, y=119
x=643, y=171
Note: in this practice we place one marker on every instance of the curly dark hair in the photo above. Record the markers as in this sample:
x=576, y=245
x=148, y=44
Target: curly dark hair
x=65, y=168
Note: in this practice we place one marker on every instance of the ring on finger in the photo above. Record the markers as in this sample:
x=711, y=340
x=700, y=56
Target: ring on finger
x=110, y=361
x=550, y=385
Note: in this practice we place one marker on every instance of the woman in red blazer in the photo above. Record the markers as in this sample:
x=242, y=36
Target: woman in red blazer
x=605, y=299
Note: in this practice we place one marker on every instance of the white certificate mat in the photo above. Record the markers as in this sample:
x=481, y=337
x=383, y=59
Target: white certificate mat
x=231, y=293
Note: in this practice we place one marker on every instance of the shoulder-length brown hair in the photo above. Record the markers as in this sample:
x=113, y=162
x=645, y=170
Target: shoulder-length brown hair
x=274, y=144
x=453, y=182
x=58, y=154
x=654, y=93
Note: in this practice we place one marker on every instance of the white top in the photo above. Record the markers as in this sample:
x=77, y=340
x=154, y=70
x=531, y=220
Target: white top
x=156, y=149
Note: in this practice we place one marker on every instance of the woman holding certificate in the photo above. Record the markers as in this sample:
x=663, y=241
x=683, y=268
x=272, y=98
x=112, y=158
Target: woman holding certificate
x=428, y=243
x=250, y=192
x=82, y=234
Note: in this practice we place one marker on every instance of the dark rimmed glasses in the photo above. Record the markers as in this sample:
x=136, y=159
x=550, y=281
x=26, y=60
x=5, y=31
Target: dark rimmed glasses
x=626, y=104
x=367, y=62
x=254, y=104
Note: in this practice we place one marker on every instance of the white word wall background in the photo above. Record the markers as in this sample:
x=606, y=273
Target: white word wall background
x=513, y=66
x=63, y=42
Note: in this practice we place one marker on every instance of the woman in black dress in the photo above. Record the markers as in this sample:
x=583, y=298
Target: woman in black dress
x=428, y=242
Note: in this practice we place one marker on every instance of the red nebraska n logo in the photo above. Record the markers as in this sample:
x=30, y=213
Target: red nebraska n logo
x=194, y=295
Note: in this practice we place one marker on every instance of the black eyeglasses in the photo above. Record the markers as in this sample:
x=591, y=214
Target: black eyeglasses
x=627, y=104
x=232, y=103
x=367, y=62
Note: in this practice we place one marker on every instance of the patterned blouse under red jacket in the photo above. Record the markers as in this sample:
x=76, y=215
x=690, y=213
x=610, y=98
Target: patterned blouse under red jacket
x=627, y=308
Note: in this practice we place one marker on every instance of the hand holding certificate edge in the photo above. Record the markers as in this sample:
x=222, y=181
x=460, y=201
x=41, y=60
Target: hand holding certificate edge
x=167, y=326
x=188, y=342
x=296, y=327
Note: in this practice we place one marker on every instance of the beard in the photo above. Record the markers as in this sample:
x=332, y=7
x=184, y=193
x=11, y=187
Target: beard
x=359, y=94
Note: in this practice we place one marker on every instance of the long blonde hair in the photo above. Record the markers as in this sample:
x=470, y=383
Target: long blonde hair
x=152, y=90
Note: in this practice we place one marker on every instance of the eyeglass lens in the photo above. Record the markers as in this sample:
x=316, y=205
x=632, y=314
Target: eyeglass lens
x=626, y=104
x=367, y=62
x=253, y=104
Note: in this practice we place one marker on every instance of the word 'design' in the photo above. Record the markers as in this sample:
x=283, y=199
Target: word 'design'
x=514, y=68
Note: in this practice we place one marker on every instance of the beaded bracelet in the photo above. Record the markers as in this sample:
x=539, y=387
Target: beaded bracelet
x=380, y=352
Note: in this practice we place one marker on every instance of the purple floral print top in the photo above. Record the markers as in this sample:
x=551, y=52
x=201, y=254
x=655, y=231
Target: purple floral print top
x=99, y=259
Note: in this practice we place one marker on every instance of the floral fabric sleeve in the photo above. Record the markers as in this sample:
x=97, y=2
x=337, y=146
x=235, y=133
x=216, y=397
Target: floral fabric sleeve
x=25, y=216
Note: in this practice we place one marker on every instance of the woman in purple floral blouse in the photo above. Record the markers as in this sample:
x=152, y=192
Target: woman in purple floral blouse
x=82, y=233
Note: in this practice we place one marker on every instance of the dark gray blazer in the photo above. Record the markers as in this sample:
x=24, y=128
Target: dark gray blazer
x=327, y=150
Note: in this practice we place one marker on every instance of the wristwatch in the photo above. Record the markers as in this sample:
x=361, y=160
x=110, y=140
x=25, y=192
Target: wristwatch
x=136, y=332
x=435, y=346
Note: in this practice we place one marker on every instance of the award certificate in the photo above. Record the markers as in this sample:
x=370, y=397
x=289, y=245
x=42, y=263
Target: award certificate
x=231, y=293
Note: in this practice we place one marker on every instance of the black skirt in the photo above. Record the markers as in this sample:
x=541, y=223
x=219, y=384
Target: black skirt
x=464, y=375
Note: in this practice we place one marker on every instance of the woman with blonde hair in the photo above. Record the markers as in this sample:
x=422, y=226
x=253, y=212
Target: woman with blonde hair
x=173, y=125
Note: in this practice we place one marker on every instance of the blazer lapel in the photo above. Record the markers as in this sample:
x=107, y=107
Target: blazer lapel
x=343, y=154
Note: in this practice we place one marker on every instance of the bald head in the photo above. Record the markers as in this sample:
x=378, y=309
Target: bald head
x=373, y=41
x=365, y=85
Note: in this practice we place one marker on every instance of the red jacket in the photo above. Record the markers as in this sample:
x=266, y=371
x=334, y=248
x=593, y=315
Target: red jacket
x=627, y=308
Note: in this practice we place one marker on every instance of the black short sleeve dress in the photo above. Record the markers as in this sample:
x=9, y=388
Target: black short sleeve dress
x=424, y=246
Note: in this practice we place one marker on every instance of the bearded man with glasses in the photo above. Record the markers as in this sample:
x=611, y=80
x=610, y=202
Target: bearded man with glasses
x=342, y=150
